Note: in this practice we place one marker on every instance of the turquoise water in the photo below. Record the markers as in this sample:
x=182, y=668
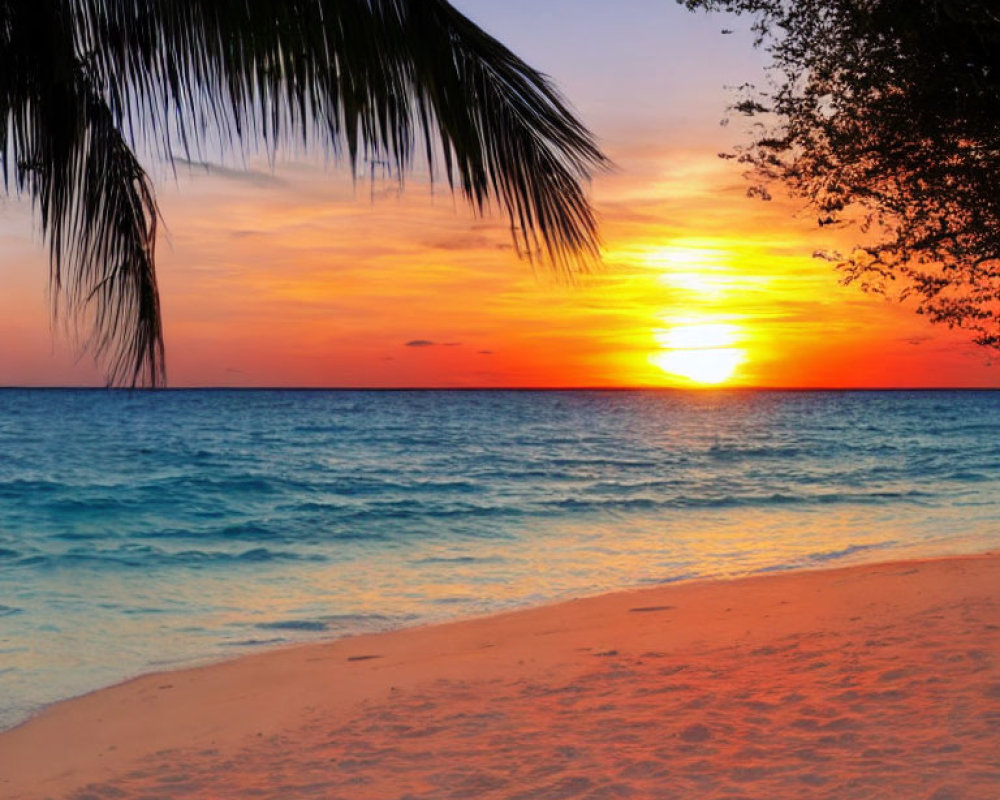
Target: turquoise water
x=142, y=531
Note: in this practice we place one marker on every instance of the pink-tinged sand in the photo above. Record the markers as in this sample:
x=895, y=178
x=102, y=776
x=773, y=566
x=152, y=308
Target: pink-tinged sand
x=866, y=682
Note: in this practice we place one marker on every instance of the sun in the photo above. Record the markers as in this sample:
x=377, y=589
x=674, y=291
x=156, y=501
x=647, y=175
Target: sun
x=701, y=352
x=708, y=366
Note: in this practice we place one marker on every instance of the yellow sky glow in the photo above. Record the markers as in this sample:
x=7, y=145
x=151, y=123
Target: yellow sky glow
x=295, y=279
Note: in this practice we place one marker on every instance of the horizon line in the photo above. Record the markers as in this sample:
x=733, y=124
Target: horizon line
x=638, y=388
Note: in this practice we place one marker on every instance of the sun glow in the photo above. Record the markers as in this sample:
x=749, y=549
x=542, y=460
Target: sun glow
x=703, y=277
x=701, y=352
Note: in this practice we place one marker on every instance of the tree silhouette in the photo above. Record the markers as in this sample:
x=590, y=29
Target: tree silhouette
x=886, y=114
x=83, y=83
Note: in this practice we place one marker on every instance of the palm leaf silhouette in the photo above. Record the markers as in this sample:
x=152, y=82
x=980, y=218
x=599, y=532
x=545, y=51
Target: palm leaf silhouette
x=82, y=82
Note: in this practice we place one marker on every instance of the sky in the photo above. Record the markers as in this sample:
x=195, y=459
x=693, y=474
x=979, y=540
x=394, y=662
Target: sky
x=291, y=275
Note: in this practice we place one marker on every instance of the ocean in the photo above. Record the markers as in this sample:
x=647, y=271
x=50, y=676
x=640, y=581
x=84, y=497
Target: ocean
x=142, y=531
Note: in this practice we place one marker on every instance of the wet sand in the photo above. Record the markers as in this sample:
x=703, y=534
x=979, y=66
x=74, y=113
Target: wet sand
x=876, y=681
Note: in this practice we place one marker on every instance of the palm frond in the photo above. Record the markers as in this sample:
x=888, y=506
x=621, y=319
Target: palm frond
x=96, y=204
x=372, y=79
x=369, y=76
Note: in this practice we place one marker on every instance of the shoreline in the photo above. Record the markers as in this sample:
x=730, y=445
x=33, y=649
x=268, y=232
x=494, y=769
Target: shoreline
x=852, y=555
x=270, y=707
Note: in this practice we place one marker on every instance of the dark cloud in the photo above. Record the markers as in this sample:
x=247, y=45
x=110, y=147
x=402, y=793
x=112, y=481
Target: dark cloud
x=254, y=176
x=429, y=343
x=485, y=352
x=460, y=242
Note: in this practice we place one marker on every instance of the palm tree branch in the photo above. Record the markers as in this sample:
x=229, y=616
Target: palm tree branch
x=369, y=77
x=84, y=81
x=95, y=203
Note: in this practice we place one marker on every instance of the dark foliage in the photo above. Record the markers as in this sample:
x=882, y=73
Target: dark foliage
x=886, y=114
x=83, y=81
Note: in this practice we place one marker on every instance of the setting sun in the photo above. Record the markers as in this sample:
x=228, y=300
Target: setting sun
x=702, y=352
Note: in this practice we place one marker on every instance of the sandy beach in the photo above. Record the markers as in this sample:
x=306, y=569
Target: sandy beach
x=866, y=681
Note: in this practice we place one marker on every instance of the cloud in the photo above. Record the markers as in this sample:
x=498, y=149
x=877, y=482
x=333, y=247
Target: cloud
x=460, y=242
x=429, y=343
x=485, y=352
x=253, y=176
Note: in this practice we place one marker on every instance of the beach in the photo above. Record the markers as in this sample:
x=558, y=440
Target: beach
x=865, y=681
x=193, y=526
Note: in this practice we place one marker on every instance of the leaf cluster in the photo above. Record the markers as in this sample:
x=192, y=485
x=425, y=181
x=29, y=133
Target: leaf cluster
x=886, y=114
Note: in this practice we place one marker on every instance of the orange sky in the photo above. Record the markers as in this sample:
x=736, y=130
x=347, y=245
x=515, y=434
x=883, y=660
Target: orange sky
x=292, y=277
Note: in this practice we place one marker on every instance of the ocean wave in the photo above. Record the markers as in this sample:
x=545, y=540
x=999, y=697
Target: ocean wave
x=323, y=428
x=732, y=501
x=351, y=619
x=606, y=487
x=248, y=531
x=530, y=475
x=444, y=560
x=294, y=625
x=335, y=622
x=333, y=493
x=79, y=536
x=850, y=550
x=294, y=530
x=824, y=556
x=146, y=611
x=967, y=476
x=152, y=558
x=24, y=487
x=455, y=600
x=195, y=485
x=255, y=642
x=399, y=510
x=683, y=576
x=597, y=462
x=733, y=452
